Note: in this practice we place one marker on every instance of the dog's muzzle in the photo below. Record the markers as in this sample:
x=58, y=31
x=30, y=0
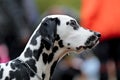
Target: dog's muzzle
x=93, y=40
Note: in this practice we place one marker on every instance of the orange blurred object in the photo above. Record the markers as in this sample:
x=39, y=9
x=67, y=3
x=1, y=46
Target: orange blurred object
x=102, y=16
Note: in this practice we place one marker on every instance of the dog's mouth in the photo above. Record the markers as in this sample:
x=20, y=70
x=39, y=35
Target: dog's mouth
x=92, y=41
x=92, y=44
x=89, y=46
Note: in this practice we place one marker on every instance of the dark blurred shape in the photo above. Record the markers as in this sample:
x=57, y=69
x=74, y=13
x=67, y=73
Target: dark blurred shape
x=16, y=24
x=67, y=69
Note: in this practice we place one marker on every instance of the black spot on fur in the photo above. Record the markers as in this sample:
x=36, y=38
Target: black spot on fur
x=46, y=44
x=68, y=44
x=45, y=57
x=24, y=73
x=53, y=67
x=67, y=23
x=19, y=72
x=55, y=49
x=12, y=65
x=43, y=76
x=61, y=44
x=57, y=21
x=16, y=75
x=1, y=73
x=12, y=74
x=50, y=58
x=37, y=53
x=28, y=53
x=87, y=42
x=32, y=63
x=57, y=37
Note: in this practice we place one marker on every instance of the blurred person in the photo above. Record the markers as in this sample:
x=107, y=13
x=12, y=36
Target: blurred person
x=103, y=16
x=16, y=24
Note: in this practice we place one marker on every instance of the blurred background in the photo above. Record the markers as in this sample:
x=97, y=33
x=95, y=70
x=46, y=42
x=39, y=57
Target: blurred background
x=19, y=18
x=47, y=4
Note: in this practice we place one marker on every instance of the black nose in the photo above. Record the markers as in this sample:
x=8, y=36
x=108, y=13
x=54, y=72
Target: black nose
x=98, y=34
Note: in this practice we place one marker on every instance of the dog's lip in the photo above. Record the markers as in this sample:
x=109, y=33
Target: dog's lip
x=79, y=49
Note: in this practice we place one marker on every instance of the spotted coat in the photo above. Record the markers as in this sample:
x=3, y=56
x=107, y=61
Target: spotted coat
x=53, y=38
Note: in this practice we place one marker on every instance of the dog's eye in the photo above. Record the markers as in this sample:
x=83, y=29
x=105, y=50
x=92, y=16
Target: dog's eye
x=73, y=22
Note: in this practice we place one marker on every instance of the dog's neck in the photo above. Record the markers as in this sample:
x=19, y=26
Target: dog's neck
x=40, y=58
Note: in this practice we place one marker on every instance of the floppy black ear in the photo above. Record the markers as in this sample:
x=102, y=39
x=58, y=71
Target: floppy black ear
x=48, y=30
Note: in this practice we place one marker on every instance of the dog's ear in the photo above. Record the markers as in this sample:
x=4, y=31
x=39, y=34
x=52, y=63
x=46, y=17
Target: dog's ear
x=48, y=30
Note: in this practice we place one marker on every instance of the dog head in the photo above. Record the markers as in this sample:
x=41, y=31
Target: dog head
x=65, y=30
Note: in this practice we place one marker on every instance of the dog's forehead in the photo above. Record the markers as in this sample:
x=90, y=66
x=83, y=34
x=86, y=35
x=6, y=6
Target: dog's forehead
x=61, y=17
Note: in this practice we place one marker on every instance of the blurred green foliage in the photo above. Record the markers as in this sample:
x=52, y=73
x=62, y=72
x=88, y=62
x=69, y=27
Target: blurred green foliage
x=43, y=5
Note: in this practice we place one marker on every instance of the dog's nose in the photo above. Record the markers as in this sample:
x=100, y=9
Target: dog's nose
x=98, y=34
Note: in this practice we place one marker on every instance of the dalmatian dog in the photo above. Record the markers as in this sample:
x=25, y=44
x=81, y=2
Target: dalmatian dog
x=54, y=37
